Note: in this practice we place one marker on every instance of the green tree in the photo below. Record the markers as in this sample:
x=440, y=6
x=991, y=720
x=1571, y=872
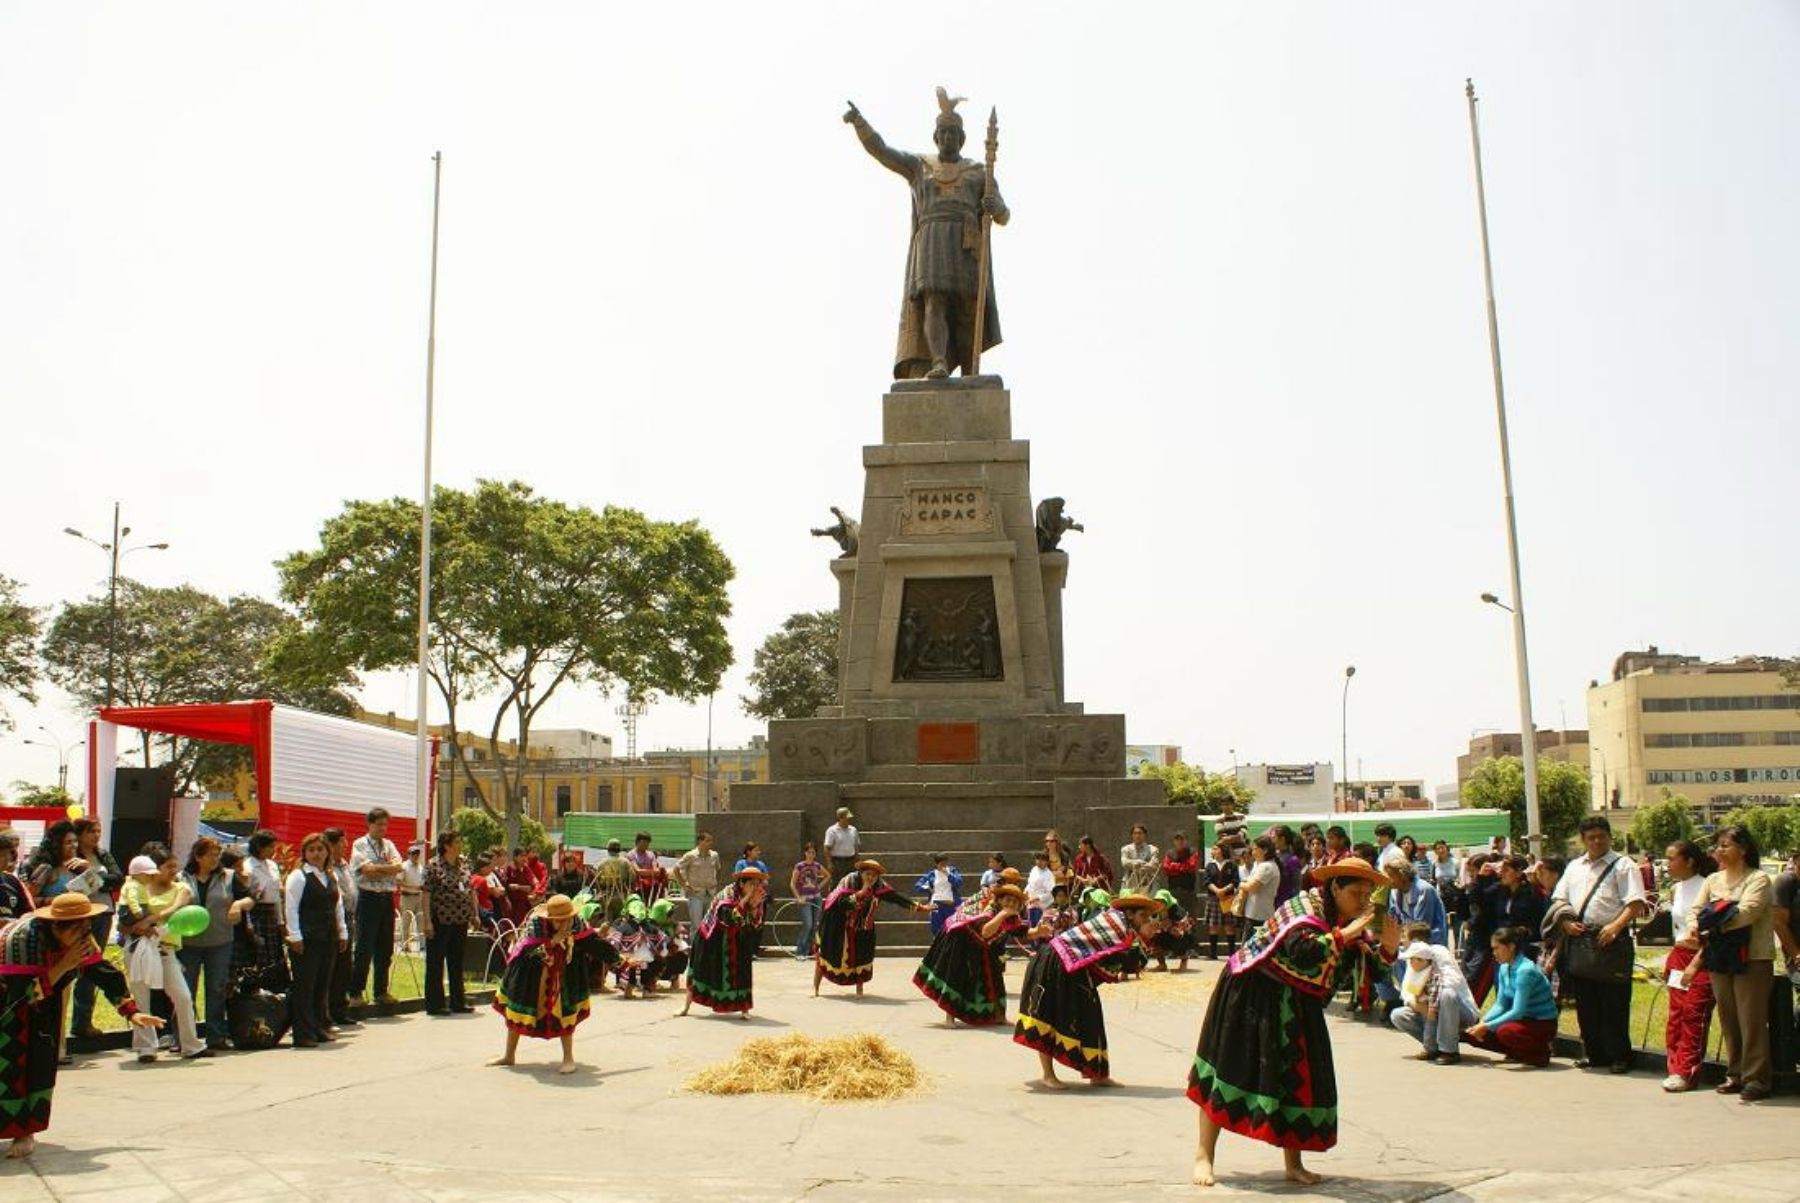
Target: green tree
x=527, y=594
x=1662, y=823
x=481, y=831
x=1208, y=793
x=1776, y=828
x=1563, y=795
x=26, y=794
x=182, y=645
x=18, y=649
x=795, y=671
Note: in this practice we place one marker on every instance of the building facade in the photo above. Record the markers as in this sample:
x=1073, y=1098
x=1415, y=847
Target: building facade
x=719, y=768
x=1361, y=796
x=1722, y=733
x=1570, y=747
x=1288, y=789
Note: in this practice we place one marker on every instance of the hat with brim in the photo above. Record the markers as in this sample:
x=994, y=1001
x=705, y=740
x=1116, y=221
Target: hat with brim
x=67, y=908
x=870, y=864
x=1351, y=866
x=1011, y=876
x=1126, y=902
x=1009, y=891
x=749, y=873
x=557, y=907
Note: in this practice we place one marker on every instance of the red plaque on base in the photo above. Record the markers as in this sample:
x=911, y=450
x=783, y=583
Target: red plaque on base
x=949, y=743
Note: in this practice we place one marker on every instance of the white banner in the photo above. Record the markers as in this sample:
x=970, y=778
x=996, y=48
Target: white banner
x=340, y=764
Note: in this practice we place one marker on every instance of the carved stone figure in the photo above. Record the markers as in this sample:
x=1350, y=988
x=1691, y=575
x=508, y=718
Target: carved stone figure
x=847, y=531
x=949, y=196
x=949, y=631
x=1052, y=523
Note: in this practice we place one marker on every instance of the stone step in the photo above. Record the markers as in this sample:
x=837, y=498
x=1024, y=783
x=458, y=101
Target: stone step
x=937, y=838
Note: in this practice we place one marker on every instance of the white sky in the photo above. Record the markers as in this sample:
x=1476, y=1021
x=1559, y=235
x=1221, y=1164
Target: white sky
x=1241, y=293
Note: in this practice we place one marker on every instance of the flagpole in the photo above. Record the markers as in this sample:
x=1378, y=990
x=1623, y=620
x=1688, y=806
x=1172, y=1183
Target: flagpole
x=422, y=770
x=1527, y=728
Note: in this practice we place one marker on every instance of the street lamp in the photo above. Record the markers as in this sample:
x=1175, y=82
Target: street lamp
x=115, y=551
x=1344, y=732
x=62, y=755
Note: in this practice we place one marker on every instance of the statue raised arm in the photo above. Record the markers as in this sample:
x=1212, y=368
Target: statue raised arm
x=847, y=531
x=1052, y=523
x=949, y=196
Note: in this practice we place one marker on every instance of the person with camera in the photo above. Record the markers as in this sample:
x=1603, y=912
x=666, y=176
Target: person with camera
x=1592, y=907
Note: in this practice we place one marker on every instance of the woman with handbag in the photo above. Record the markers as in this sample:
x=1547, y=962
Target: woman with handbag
x=1741, y=982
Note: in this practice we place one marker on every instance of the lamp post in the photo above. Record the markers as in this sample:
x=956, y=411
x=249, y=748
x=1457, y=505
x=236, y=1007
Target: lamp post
x=115, y=551
x=1528, y=757
x=1527, y=728
x=62, y=755
x=1344, y=732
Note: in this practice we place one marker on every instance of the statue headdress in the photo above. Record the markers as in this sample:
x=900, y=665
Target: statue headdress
x=947, y=114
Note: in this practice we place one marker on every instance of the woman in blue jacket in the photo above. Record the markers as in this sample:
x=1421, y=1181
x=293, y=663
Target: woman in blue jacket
x=1521, y=1023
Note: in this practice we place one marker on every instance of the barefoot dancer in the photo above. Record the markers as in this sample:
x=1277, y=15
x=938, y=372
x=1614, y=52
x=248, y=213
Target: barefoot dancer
x=963, y=970
x=1059, y=1005
x=40, y=957
x=1263, y=1067
x=847, y=928
x=724, y=953
x=549, y=974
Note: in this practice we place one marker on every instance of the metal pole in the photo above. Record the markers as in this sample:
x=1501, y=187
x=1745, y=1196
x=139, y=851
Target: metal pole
x=421, y=782
x=112, y=608
x=1527, y=728
x=709, y=755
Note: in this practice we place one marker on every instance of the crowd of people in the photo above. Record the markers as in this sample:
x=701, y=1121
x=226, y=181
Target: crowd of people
x=1455, y=948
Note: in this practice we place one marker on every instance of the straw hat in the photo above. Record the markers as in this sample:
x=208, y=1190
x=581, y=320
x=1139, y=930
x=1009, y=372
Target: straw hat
x=1011, y=876
x=749, y=873
x=557, y=907
x=1351, y=866
x=870, y=864
x=1009, y=891
x=66, y=908
x=1128, y=901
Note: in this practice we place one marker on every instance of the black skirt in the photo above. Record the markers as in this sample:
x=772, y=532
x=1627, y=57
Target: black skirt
x=1263, y=1067
x=965, y=976
x=1059, y=1014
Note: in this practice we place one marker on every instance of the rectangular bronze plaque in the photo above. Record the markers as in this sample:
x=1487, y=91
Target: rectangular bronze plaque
x=949, y=743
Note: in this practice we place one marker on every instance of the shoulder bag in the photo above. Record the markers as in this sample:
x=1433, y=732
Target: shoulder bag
x=1585, y=958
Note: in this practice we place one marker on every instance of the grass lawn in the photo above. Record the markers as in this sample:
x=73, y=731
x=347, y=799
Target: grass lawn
x=406, y=979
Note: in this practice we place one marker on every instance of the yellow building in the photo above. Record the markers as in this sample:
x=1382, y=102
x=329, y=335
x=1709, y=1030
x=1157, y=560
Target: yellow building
x=1724, y=733
x=720, y=766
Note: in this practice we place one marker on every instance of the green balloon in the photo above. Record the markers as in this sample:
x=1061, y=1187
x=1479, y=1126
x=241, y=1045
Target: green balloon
x=189, y=921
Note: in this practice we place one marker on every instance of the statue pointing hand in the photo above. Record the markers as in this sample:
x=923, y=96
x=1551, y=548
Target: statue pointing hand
x=950, y=194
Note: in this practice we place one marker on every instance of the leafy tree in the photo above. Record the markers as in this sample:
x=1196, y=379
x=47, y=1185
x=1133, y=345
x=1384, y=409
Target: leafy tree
x=1563, y=795
x=1776, y=828
x=18, y=648
x=1662, y=823
x=27, y=794
x=481, y=831
x=1209, y=793
x=527, y=594
x=182, y=645
x=795, y=671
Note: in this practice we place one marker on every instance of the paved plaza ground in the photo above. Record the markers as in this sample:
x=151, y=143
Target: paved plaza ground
x=406, y=1109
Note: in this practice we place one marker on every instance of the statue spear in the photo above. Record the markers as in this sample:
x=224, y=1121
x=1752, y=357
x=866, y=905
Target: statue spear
x=987, y=226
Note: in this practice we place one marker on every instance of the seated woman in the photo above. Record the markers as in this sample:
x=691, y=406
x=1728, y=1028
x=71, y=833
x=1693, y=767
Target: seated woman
x=1521, y=1023
x=1436, y=1002
x=549, y=974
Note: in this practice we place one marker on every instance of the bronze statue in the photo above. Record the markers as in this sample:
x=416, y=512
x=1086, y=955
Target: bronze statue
x=944, y=266
x=847, y=531
x=1052, y=523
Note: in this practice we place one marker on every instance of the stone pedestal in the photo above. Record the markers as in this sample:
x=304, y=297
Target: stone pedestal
x=952, y=731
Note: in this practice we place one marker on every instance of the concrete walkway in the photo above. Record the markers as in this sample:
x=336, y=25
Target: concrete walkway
x=405, y=1109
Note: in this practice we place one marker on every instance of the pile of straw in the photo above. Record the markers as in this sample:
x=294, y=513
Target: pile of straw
x=840, y=1069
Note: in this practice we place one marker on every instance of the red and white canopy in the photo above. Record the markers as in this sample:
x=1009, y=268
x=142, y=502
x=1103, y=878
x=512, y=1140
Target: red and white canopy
x=312, y=770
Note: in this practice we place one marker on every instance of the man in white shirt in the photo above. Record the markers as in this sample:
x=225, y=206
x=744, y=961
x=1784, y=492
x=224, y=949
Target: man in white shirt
x=1386, y=850
x=375, y=868
x=841, y=844
x=1599, y=895
x=411, y=929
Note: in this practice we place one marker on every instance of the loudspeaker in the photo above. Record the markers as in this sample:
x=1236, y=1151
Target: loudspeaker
x=140, y=810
